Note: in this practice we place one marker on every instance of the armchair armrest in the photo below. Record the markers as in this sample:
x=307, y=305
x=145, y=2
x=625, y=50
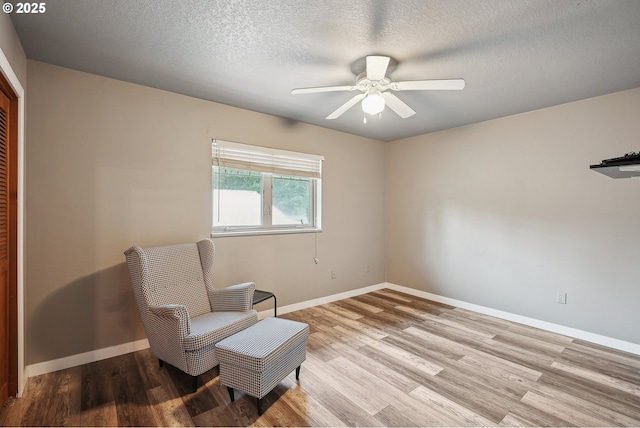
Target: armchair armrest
x=176, y=316
x=237, y=297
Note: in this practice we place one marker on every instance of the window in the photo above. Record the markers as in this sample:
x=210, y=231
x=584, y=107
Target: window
x=264, y=190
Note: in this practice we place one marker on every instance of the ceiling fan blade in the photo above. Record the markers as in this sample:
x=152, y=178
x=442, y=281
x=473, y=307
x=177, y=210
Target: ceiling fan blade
x=429, y=85
x=397, y=105
x=377, y=67
x=322, y=89
x=346, y=106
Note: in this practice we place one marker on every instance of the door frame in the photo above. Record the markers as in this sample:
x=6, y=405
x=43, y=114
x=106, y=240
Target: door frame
x=16, y=86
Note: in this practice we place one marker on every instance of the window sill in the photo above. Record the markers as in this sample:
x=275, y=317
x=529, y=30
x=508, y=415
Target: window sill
x=257, y=232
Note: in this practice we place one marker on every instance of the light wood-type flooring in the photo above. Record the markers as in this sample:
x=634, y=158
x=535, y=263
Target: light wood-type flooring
x=380, y=359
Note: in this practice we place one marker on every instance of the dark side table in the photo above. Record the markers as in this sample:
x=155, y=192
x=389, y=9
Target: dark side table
x=261, y=296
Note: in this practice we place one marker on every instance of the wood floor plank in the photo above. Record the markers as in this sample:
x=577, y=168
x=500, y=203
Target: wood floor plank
x=488, y=321
x=607, y=353
x=382, y=370
x=530, y=343
x=341, y=333
x=420, y=364
x=105, y=415
x=443, y=340
x=132, y=403
x=463, y=327
x=596, y=410
x=354, y=338
x=485, y=363
x=516, y=354
x=15, y=413
x=535, y=417
x=96, y=385
x=320, y=345
x=601, y=365
x=306, y=406
x=513, y=420
x=391, y=320
x=149, y=369
x=393, y=296
x=343, y=311
x=595, y=392
x=407, y=414
x=357, y=306
x=372, y=332
x=562, y=410
x=503, y=385
x=167, y=406
x=36, y=414
x=592, y=375
x=353, y=382
x=375, y=301
x=335, y=401
x=474, y=394
x=381, y=359
x=462, y=415
x=459, y=334
x=63, y=410
x=417, y=312
x=536, y=333
x=422, y=345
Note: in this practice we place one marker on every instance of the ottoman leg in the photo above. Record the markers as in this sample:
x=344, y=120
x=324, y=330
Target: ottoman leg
x=233, y=398
x=298, y=373
x=259, y=407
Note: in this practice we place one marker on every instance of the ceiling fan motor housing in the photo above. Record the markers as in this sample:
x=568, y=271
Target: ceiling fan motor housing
x=364, y=84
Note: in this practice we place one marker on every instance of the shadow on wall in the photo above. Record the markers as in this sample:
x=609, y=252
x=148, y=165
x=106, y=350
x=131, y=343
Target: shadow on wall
x=90, y=313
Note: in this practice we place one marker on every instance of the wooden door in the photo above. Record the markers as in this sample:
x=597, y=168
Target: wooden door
x=8, y=244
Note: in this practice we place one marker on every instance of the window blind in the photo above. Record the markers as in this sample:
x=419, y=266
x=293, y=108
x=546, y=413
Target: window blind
x=264, y=159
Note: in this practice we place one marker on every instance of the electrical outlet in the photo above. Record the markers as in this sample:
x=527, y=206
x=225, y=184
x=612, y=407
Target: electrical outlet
x=333, y=274
x=562, y=298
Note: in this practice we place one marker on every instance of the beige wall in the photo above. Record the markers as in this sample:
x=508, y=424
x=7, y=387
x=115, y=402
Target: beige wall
x=112, y=164
x=12, y=49
x=506, y=213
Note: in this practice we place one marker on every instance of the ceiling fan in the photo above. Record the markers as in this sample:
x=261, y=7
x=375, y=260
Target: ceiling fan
x=374, y=84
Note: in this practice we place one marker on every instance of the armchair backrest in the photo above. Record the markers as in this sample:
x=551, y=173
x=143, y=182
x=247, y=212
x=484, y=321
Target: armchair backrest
x=172, y=274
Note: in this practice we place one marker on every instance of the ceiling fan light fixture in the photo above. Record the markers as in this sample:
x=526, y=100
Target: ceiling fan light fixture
x=373, y=103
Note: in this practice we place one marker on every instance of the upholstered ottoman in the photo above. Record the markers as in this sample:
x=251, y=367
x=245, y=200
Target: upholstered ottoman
x=258, y=358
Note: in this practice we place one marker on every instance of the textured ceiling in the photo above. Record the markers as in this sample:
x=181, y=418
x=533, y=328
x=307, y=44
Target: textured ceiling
x=515, y=56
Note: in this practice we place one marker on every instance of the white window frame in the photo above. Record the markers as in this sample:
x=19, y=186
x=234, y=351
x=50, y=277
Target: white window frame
x=268, y=162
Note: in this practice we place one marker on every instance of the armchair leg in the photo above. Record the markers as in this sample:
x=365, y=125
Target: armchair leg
x=160, y=363
x=298, y=373
x=231, y=395
x=195, y=383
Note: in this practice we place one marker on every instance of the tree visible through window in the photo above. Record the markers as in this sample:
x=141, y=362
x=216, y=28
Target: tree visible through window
x=292, y=197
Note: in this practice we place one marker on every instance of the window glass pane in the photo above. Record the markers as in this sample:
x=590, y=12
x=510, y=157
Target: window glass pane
x=291, y=200
x=237, y=197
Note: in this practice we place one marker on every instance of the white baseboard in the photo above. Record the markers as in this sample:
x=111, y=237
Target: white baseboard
x=621, y=345
x=322, y=300
x=85, y=358
x=125, y=348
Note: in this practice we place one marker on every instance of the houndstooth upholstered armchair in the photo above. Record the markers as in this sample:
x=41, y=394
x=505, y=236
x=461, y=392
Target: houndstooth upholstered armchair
x=183, y=315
